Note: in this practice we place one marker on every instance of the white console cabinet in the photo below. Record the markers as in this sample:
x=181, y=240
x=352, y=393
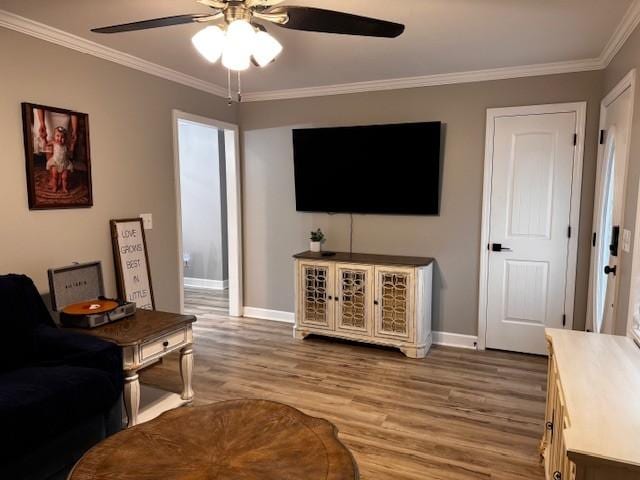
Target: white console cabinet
x=592, y=418
x=379, y=299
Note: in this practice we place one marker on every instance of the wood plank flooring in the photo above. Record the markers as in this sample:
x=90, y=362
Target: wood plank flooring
x=200, y=301
x=456, y=415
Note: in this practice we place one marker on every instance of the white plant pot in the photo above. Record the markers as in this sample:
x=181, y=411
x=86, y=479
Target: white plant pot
x=316, y=246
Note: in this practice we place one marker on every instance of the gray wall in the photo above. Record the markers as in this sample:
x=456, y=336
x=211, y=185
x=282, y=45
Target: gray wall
x=273, y=230
x=132, y=160
x=203, y=235
x=627, y=59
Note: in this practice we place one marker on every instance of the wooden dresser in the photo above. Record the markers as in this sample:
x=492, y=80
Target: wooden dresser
x=377, y=299
x=592, y=429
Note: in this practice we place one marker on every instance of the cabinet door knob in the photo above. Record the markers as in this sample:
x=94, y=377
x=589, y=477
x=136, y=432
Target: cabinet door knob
x=375, y=302
x=330, y=297
x=165, y=344
x=557, y=476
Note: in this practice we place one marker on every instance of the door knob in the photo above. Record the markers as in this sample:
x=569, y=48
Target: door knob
x=608, y=269
x=497, y=247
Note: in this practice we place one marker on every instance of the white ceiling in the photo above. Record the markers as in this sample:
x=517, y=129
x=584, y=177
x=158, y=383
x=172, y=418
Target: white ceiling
x=442, y=36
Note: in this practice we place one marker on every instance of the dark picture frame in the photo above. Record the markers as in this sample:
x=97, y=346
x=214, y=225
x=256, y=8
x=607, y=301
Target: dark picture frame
x=57, y=157
x=120, y=265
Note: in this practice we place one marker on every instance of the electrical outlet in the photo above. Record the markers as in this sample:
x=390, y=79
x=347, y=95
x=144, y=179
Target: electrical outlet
x=626, y=241
x=147, y=220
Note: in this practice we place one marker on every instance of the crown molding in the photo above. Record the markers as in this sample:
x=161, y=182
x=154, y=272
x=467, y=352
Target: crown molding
x=79, y=44
x=428, y=80
x=629, y=22
x=625, y=28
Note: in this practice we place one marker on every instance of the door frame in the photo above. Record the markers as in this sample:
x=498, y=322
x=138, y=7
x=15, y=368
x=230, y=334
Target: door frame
x=580, y=109
x=627, y=82
x=234, y=206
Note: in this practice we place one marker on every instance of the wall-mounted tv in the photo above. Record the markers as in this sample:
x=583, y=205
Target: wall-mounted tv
x=377, y=169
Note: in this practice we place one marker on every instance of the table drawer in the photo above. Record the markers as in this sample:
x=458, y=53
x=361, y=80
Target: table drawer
x=163, y=344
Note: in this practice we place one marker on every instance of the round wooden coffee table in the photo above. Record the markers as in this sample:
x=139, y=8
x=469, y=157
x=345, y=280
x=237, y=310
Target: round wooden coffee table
x=235, y=440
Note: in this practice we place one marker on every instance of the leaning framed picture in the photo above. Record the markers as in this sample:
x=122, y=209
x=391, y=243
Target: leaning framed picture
x=133, y=272
x=58, y=158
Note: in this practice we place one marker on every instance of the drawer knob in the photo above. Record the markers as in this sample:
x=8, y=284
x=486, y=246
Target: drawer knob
x=557, y=476
x=165, y=344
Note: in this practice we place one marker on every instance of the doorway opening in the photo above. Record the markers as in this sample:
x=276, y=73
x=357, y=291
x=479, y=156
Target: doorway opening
x=208, y=215
x=607, y=242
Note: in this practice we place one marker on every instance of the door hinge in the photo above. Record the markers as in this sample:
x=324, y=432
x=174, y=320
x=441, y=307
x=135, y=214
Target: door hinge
x=564, y=320
x=569, y=231
x=602, y=136
x=575, y=139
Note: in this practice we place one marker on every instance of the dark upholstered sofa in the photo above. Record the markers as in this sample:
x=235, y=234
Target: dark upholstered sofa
x=60, y=392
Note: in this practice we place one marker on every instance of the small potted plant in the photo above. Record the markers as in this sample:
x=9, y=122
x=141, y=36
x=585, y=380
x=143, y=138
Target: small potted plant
x=317, y=238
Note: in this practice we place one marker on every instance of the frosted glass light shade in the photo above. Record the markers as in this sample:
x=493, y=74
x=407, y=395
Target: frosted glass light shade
x=266, y=48
x=210, y=43
x=239, y=45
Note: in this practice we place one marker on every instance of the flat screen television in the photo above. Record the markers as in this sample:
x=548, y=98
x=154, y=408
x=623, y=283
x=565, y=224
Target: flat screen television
x=377, y=169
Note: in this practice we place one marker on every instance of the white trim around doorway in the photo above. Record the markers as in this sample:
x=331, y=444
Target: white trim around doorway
x=234, y=210
x=580, y=108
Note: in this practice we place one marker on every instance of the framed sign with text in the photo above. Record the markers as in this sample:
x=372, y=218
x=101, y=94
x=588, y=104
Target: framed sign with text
x=133, y=274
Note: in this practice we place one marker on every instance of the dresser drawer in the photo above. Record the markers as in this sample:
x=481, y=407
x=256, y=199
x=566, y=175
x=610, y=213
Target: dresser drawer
x=160, y=345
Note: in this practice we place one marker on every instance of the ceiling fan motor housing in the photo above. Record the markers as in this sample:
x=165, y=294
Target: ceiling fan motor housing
x=237, y=10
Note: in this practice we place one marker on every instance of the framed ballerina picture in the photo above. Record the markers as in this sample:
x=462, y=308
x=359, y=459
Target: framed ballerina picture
x=58, y=159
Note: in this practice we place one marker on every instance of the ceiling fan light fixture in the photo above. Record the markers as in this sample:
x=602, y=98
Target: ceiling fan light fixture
x=239, y=45
x=266, y=48
x=210, y=43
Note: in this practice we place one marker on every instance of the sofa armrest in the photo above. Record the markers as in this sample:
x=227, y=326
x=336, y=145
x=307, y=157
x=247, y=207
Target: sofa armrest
x=55, y=346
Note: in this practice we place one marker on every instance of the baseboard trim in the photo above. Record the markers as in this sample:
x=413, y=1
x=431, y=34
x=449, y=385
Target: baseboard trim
x=457, y=340
x=266, y=314
x=439, y=338
x=206, y=283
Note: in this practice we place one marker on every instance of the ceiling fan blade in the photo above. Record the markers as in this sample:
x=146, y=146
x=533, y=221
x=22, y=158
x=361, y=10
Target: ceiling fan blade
x=328, y=21
x=156, y=23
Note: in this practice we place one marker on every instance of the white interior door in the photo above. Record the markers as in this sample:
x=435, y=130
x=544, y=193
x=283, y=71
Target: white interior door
x=529, y=228
x=609, y=210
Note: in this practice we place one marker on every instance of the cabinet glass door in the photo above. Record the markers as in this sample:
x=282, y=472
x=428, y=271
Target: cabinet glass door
x=354, y=298
x=316, y=302
x=394, y=302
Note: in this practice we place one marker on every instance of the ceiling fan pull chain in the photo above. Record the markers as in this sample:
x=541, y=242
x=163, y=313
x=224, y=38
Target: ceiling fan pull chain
x=239, y=88
x=229, y=98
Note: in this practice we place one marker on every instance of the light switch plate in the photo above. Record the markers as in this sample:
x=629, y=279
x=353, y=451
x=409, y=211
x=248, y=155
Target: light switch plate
x=626, y=241
x=147, y=220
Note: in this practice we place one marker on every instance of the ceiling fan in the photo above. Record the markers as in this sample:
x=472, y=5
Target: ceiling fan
x=242, y=41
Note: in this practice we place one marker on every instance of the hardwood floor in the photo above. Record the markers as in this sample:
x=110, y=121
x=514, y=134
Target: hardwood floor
x=455, y=415
x=200, y=301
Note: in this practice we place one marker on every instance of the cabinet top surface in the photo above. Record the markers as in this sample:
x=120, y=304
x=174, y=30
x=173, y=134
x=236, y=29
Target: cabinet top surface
x=367, y=258
x=144, y=325
x=600, y=379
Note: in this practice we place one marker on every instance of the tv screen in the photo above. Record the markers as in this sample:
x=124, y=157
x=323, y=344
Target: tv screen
x=378, y=169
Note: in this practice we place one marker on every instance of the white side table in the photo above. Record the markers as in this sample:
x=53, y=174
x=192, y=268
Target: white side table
x=145, y=338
